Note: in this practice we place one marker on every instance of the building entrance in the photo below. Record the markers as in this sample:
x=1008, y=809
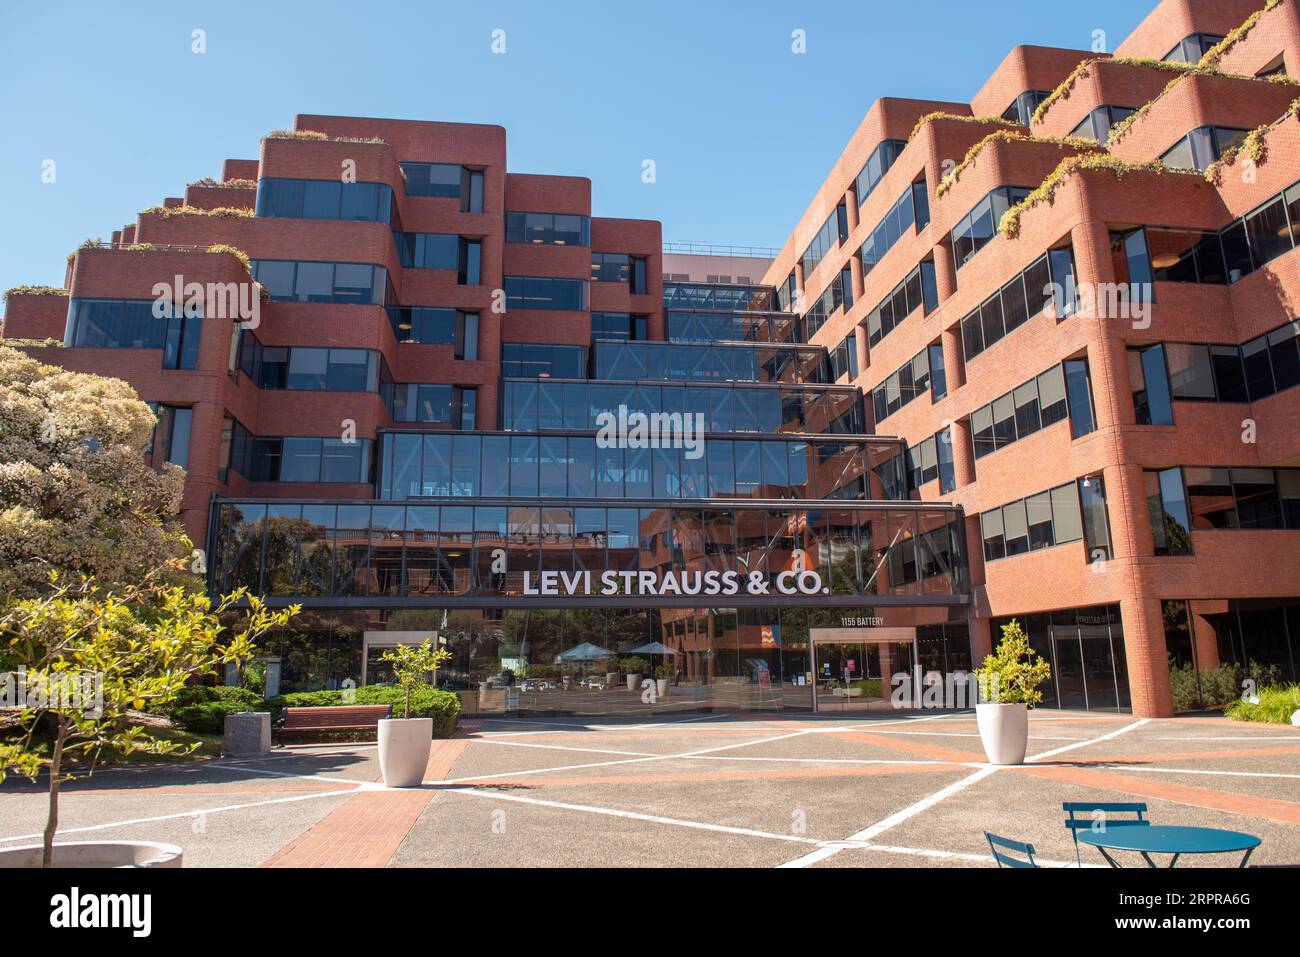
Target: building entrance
x=852, y=667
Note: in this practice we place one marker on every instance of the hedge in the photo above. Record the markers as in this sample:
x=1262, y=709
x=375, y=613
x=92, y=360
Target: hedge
x=202, y=709
x=426, y=702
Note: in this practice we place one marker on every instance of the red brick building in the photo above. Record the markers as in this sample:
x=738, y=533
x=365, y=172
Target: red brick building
x=1068, y=304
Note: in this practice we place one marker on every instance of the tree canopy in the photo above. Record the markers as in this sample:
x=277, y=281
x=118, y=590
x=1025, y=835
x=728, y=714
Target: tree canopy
x=77, y=495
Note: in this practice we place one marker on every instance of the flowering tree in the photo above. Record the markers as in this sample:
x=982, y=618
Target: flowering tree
x=76, y=493
x=87, y=658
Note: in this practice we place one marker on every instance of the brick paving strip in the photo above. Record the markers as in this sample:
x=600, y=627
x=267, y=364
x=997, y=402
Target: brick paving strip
x=367, y=829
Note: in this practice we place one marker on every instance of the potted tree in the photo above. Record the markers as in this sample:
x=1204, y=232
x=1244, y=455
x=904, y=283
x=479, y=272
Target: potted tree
x=404, y=742
x=88, y=658
x=1008, y=687
x=663, y=675
x=632, y=668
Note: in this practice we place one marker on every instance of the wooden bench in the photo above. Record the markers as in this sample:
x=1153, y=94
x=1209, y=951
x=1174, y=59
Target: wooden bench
x=358, y=717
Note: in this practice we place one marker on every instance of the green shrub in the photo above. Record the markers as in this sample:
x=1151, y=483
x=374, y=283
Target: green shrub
x=1219, y=687
x=202, y=709
x=1276, y=705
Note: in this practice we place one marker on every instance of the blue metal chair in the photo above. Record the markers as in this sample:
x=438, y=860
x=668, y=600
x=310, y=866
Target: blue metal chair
x=1006, y=860
x=1075, y=824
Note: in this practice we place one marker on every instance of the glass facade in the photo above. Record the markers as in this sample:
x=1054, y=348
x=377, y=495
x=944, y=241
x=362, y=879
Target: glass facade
x=1085, y=647
x=631, y=361
x=425, y=465
x=471, y=551
x=468, y=528
x=530, y=405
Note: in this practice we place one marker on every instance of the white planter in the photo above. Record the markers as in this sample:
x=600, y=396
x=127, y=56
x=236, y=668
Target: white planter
x=1004, y=731
x=661, y=686
x=95, y=854
x=404, y=750
x=633, y=682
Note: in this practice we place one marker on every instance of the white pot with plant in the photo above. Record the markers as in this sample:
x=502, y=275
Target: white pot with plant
x=89, y=656
x=663, y=676
x=632, y=668
x=404, y=742
x=1008, y=687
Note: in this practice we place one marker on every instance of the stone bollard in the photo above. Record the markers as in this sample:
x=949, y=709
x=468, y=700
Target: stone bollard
x=247, y=734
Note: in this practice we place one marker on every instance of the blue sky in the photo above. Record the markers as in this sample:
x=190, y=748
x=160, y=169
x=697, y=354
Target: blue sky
x=741, y=129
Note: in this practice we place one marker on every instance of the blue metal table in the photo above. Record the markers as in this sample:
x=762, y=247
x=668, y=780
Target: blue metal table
x=1168, y=839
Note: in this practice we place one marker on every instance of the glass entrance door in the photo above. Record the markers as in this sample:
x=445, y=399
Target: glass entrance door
x=849, y=677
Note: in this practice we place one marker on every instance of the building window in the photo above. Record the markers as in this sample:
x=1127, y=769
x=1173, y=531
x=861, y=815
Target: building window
x=1097, y=124
x=1150, y=383
x=910, y=214
x=1023, y=106
x=1042, y=401
x=171, y=435
x=471, y=190
x=548, y=229
x=536, y=360
x=1192, y=48
x=844, y=359
x=325, y=199
x=977, y=228
x=544, y=292
x=433, y=325
x=299, y=459
x=938, y=375
x=133, y=324
x=1167, y=506
x=906, y=384
x=838, y=293
x=446, y=181
x=291, y=281
x=1091, y=490
x=787, y=294
x=833, y=232
x=932, y=459
x=1202, y=146
x=422, y=402
x=1047, y=283
x=916, y=291
x=1039, y=521
x=611, y=267
x=877, y=165
x=618, y=325
x=309, y=368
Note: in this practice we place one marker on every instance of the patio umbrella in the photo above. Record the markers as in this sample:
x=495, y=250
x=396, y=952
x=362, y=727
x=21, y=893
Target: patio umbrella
x=654, y=648
x=583, y=652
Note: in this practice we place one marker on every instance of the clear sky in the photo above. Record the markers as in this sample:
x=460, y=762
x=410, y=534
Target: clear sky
x=742, y=130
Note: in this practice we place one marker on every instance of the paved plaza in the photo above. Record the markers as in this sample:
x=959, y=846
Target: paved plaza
x=699, y=790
